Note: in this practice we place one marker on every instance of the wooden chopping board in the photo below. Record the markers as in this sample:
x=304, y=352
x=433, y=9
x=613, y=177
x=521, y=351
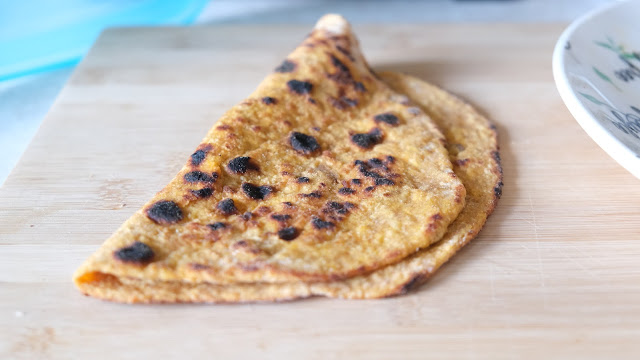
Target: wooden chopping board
x=555, y=273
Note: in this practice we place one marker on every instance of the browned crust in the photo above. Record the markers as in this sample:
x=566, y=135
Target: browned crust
x=401, y=196
x=395, y=279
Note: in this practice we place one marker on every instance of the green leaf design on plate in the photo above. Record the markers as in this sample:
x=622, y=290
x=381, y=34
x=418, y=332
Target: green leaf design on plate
x=601, y=75
x=617, y=48
x=604, y=45
x=605, y=77
x=592, y=99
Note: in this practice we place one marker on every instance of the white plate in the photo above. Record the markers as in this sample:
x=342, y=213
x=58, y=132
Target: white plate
x=596, y=66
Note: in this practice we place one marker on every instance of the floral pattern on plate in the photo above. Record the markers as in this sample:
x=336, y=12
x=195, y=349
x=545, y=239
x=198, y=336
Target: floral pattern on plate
x=596, y=67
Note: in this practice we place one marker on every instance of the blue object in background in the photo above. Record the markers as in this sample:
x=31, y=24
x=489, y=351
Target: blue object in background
x=41, y=35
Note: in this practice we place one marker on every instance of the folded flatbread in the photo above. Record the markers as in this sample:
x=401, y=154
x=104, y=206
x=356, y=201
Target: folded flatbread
x=324, y=178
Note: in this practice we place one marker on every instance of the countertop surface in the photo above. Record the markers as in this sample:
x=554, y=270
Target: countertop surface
x=25, y=101
x=554, y=274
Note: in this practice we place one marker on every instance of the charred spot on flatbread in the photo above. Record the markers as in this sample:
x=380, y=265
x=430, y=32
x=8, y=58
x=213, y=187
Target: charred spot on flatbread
x=281, y=217
x=367, y=140
x=241, y=165
x=384, y=181
x=342, y=74
x=303, y=143
x=387, y=118
x=197, y=157
x=256, y=192
x=137, y=253
x=338, y=208
x=300, y=87
x=227, y=207
x=202, y=193
x=200, y=177
x=314, y=194
x=320, y=224
x=346, y=191
x=288, y=233
x=164, y=212
x=287, y=66
x=377, y=163
x=268, y=100
x=217, y=225
x=343, y=102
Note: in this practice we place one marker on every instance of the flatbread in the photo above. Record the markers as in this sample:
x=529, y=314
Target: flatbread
x=473, y=145
x=322, y=174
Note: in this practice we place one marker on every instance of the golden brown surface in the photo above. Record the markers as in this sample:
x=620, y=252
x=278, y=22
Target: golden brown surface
x=474, y=151
x=403, y=203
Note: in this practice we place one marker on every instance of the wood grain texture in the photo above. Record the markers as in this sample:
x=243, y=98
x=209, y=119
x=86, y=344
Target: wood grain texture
x=555, y=273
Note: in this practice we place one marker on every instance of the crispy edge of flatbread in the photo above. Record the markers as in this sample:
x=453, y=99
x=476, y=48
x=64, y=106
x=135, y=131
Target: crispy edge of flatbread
x=474, y=152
